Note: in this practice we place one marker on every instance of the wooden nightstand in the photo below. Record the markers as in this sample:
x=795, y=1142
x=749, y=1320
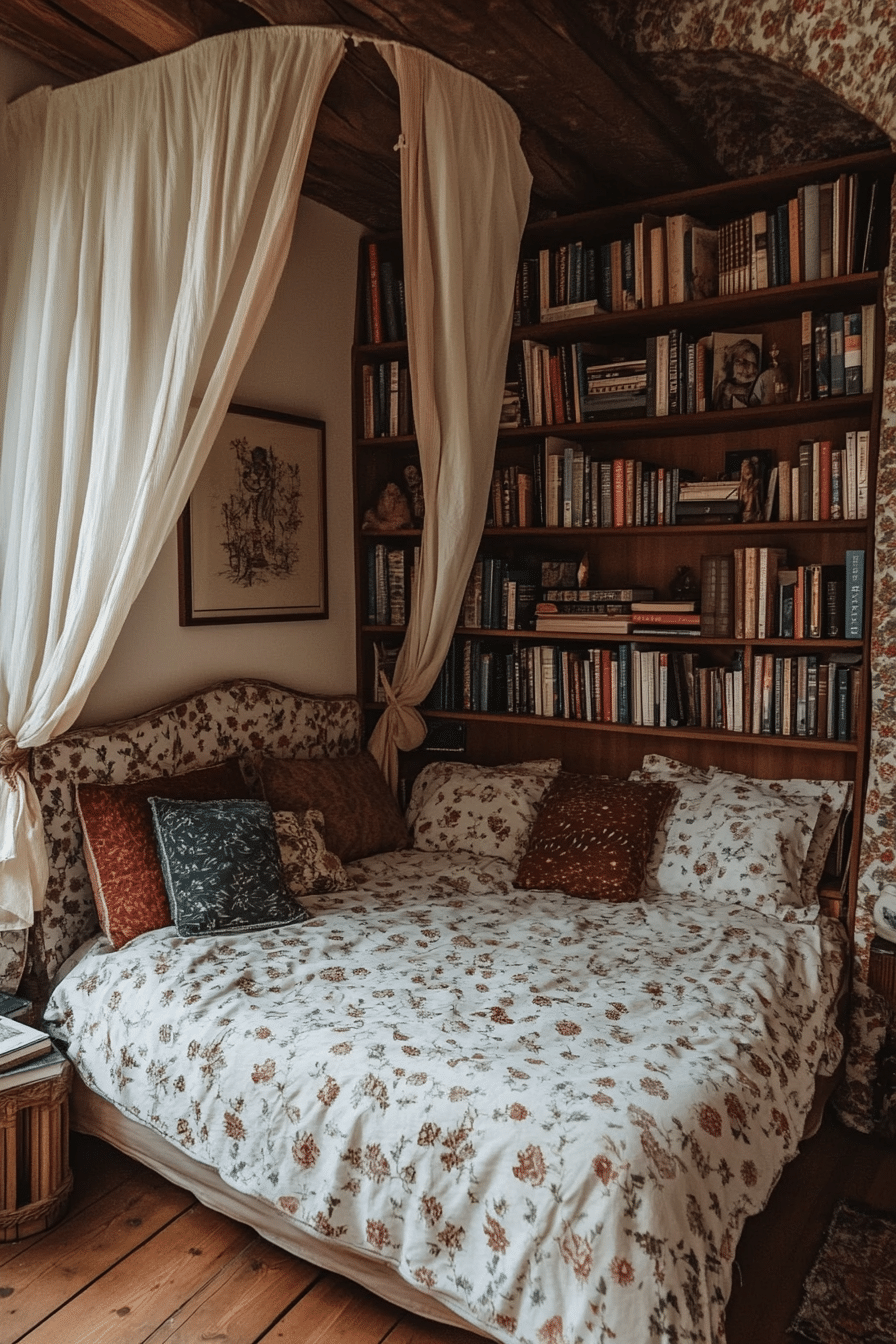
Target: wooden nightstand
x=882, y=969
x=35, y=1178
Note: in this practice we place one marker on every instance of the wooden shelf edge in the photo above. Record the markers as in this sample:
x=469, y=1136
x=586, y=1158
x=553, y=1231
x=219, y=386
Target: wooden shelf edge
x=810, y=744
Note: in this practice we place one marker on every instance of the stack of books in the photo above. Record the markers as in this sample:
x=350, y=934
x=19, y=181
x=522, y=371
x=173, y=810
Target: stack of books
x=27, y=1055
x=710, y=501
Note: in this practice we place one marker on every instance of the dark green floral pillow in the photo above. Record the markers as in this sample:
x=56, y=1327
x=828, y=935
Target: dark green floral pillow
x=221, y=864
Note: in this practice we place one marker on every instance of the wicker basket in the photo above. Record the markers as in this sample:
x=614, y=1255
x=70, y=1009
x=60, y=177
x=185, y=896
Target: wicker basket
x=35, y=1178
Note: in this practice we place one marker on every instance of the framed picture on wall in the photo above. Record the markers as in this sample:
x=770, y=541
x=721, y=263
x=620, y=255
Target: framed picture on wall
x=252, y=543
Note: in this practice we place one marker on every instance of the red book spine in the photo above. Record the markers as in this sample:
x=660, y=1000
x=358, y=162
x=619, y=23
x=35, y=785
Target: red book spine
x=373, y=279
x=606, y=686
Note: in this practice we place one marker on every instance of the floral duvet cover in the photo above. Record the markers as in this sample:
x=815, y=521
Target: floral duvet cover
x=552, y=1114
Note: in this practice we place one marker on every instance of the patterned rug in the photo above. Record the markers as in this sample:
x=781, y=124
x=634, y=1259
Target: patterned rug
x=849, y=1296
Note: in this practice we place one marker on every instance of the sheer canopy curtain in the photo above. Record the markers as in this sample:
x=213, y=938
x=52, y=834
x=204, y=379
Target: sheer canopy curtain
x=146, y=222
x=464, y=197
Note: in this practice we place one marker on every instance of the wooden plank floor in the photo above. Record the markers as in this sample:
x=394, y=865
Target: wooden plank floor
x=138, y=1261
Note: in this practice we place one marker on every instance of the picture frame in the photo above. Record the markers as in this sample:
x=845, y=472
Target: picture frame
x=252, y=540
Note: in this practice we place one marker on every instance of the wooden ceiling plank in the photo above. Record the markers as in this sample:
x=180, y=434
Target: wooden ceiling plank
x=524, y=52
x=148, y=28
x=42, y=31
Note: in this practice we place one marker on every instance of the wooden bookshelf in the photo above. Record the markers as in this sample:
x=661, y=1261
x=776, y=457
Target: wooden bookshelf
x=638, y=554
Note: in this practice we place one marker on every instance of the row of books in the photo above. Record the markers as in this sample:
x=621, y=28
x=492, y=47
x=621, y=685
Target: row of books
x=754, y=593
x=681, y=373
x=384, y=298
x=825, y=482
x=386, y=408
x=390, y=576
x=837, y=353
x=827, y=229
x=628, y=683
x=574, y=383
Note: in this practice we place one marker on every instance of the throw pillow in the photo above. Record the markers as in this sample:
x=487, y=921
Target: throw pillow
x=120, y=848
x=361, y=816
x=487, y=810
x=592, y=837
x=221, y=864
x=308, y=866
x=732, y=836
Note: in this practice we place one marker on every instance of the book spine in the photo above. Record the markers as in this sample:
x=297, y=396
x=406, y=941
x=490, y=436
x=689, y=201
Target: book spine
x=852, y=354
x=373, y=282
x=855, y=594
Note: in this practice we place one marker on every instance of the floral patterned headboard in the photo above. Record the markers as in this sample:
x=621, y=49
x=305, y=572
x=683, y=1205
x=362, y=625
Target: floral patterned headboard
x=240, y=718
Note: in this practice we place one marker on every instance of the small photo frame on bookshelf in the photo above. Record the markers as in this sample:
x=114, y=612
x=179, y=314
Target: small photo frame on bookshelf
x=252, y=542
x=736, y=369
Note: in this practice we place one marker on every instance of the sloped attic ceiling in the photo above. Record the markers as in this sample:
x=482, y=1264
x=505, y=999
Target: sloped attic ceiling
x=602, y=121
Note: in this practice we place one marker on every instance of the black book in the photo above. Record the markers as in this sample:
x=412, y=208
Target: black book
x=834, y=613
x=713, y=510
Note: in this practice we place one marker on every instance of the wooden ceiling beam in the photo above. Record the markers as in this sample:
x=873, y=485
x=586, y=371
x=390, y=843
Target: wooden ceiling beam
x=148, y=28
x=47, y=35
x=556, y=69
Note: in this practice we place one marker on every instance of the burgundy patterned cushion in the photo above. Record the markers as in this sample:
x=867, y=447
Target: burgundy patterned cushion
x=593, y=836
x=360, y=814
x=120, y=847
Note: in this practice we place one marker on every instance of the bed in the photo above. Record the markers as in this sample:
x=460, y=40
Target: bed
x=511, y=1107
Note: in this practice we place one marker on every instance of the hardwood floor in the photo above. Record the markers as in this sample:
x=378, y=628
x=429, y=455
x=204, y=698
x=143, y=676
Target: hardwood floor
x=138, y=1261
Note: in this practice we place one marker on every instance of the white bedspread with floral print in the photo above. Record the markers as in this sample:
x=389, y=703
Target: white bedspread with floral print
x=552, y=1114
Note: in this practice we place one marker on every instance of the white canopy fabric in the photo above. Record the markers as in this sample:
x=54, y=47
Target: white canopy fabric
x=464, y=196
x=148, y=209
x=145, y=226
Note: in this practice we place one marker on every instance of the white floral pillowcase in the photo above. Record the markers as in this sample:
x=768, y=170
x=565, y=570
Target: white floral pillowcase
x=731, y=836
x=487, y=810
x=309, y=868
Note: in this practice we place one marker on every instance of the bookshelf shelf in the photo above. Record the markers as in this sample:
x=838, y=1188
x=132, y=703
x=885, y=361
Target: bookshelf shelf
x=692, y=445
x=710, y=735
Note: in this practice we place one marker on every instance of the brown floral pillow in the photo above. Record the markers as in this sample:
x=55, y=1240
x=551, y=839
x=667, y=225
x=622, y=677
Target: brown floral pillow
x=361, y=816
x=309, y=868
x=593, y=837
x=120, y=848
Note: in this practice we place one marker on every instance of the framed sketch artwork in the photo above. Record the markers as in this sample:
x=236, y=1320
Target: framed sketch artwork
x=252, y=542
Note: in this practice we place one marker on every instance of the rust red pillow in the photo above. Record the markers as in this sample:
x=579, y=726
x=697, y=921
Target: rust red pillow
x=361, y=815
x=593, y=837
x=120, y=847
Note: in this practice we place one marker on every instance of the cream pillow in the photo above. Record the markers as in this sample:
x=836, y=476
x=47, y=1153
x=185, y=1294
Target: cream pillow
x=486, y=810
x=732, y=836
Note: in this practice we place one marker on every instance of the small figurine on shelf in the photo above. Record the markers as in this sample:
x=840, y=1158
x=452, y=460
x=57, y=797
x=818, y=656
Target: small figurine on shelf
x=684, y=586
x=414, y=482
x=391, y=513
x=750, y=490
x=772, y=387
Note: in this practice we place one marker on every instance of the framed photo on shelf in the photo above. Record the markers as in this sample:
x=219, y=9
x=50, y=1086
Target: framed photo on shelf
x=252, y=543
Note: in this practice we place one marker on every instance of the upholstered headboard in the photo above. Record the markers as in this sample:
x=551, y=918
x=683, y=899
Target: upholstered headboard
x=241, y=718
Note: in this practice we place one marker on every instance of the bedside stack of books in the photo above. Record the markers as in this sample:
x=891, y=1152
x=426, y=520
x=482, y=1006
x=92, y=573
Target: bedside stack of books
x=27, y=1055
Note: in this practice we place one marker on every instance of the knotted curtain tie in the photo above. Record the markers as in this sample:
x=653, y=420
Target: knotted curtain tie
x=13, y=759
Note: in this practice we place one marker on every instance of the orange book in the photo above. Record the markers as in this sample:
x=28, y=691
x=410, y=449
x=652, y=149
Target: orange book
x=619, y=492
x=606, y=686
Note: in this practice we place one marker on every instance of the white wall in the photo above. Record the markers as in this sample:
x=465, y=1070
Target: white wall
x=301, y=364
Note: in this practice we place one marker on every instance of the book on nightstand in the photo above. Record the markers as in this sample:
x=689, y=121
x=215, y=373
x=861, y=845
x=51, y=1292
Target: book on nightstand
x=19, y=1042
x=48, y=1065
